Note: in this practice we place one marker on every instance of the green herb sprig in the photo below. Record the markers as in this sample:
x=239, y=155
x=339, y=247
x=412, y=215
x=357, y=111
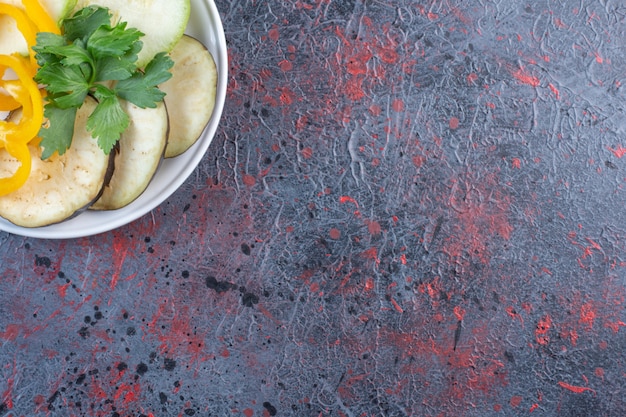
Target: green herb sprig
x=93, y=58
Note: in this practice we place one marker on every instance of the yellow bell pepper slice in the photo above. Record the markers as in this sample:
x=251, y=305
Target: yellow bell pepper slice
x=7, y=101
x=22, y=92
x=26, y=26
x=20, y=152
x=40, y=17
x=27, y=93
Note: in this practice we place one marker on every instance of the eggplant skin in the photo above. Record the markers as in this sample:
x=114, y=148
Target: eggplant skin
x=189, y=94
x=59, y=187
x=140, y=152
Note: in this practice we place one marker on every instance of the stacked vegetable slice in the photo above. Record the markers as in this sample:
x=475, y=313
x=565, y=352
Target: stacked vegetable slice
x=66, y=181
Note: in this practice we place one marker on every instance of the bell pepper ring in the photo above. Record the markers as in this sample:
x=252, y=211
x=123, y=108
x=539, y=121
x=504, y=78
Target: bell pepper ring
x=25, y=25
x=7, y=101
x=21, y=153
x=19, y=91
x=27, y=93
x=40, y=17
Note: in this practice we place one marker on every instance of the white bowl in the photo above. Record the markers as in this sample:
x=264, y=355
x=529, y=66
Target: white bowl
x=205, y=25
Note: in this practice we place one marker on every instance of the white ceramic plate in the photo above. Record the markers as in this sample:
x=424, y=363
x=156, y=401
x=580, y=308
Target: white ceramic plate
x=205, y=25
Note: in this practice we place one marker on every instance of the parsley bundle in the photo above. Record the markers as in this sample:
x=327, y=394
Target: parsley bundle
x=92, y=57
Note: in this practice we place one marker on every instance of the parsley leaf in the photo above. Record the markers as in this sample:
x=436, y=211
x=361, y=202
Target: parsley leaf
x=115, y=68
x=108, y=120
x=58, y=136
x=45, y=41
x=67, y=83
x=85, y=22
x=142, y=88
x=157, y=70
x=109, y=41
x=94, y=58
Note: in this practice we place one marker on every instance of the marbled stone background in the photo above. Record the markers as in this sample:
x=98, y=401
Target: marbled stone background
x=411, y=208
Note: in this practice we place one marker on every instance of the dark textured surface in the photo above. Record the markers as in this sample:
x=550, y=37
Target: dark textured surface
x=410, y=209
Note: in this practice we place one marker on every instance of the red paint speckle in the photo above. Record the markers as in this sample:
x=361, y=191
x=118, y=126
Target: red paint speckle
x=397, y=105
x=388, y=55
x=620, y=151
x=302, y=122
x=599, y=372
x=555, y=91
x=287, y=96
x=525, y=78
x=248, y=180
x=574, y=388
x=375, y=110
x=285, y=65
x=357, y=65
x=373, y=227
x=418, y=160
x=274, y=34
x=63, y=290
x=516, y=163
x=459, y=313
x=347, y=199
x=516, y=400
x=599, y=59
x=307, y=153
x=248, y=412
x=371, y=253
x=587, y=314
x=614, y=325
x=543, y=327
x=454, y=123
x=354, y=89
x=334, y=233
x=11, y=332
x=396, y=306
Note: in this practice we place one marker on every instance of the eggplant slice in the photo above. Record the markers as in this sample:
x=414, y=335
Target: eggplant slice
x=140, y=151
x=61, y=186
x=162, y=22
x=190, y=94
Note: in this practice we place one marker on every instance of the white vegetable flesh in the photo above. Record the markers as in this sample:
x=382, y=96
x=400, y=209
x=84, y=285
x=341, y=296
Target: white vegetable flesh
x=190, y=94
x=12, y=40
x=161, y=21
x=59, y=186
x=140, y=152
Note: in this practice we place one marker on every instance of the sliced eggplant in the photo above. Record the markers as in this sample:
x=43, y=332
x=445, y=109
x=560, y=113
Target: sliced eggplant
x=190, y=94
x=61, y=186
x=139, y=154
x=161, y=21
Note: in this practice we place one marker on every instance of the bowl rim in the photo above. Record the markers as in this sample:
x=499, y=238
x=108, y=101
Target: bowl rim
x=205, y=25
